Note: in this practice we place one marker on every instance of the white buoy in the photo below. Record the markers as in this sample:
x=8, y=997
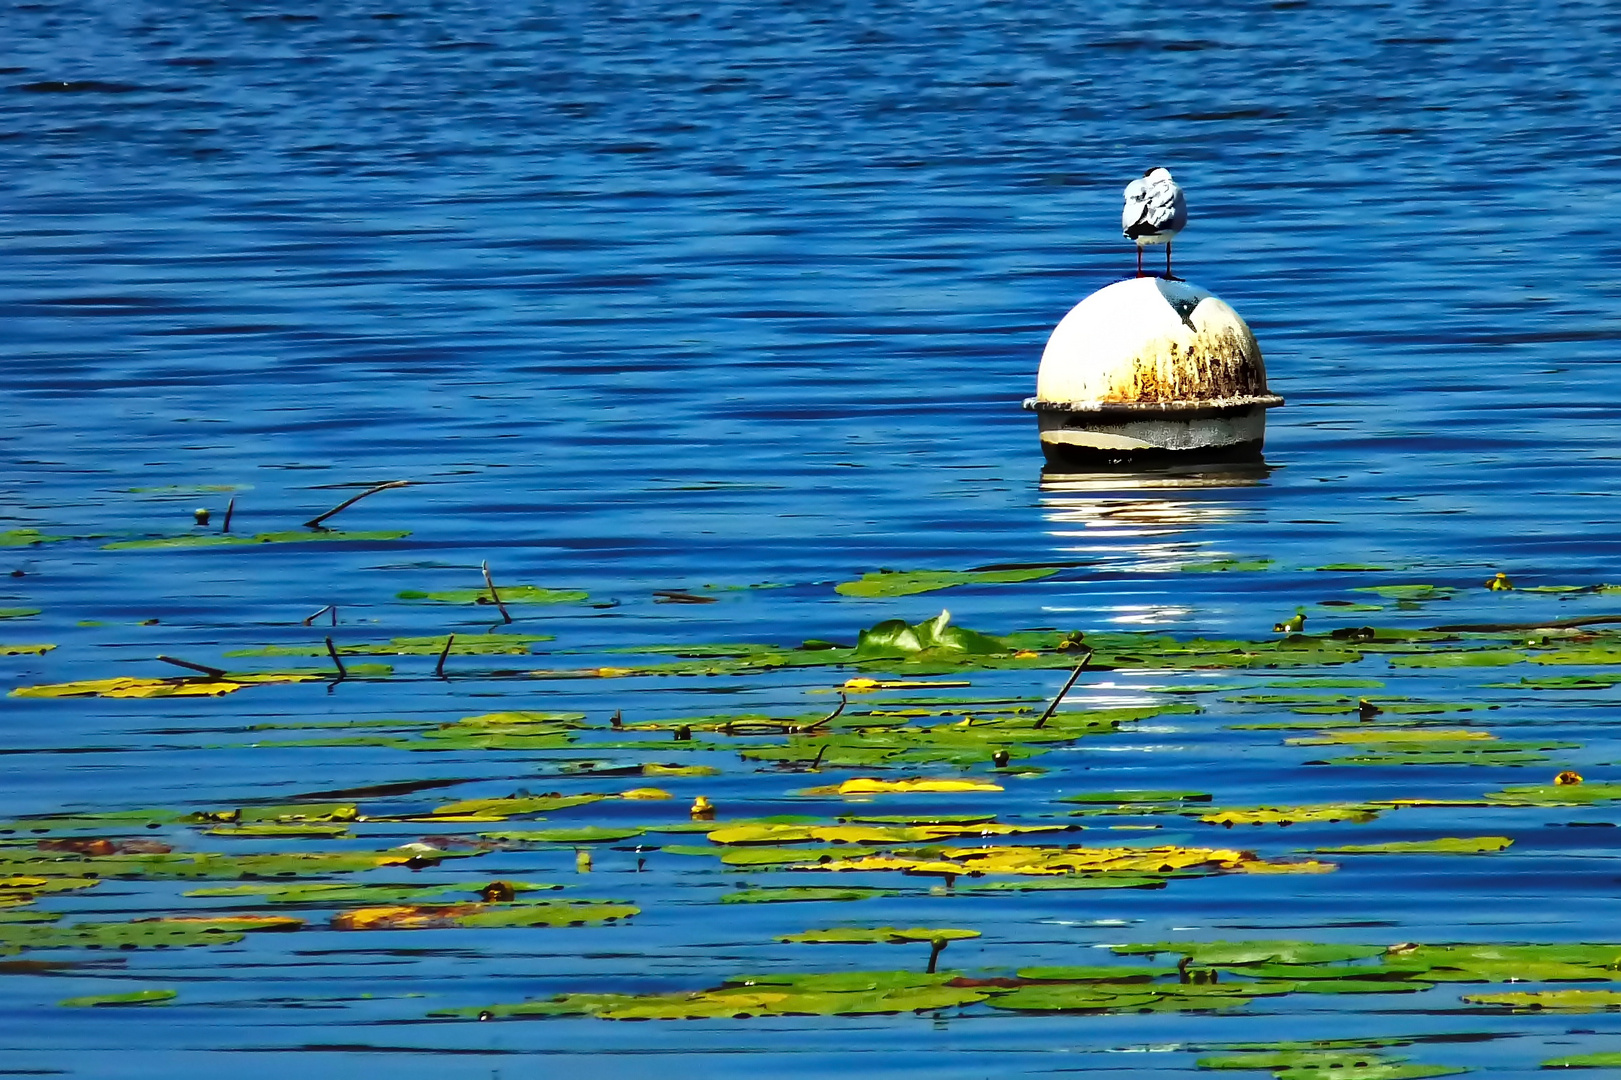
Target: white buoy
x=1151, y=369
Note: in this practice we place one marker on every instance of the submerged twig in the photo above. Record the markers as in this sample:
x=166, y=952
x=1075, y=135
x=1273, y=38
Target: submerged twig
x=843, y=701
x=211, y=672
x=230, y=508
x=333, y=608
x=315, y=522
x=439, y=668
x=332, y=651
x=490, y=584
x=1052, y=707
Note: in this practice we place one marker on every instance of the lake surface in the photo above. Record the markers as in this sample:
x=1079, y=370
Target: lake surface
x=734, y=303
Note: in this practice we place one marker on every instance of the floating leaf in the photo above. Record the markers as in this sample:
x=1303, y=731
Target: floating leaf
x=1417, y=593
x=331, y=893
x=1602, y=1060
x=896, y=638
x=133, y=997
x=18, y=612
x=878, y=935
x=130, y=687
x=1586, y=794
x=1446, y=845
x=1267, y=815
x=1349, y=1064
x=531, y=913
x=583, y=834
x=495, y=644
x=785, y=833
x=1223, y=566
x=1122, y=798
x=226, y=540
x=512, y=806
x=802, y=894
x=174, y=932
x=510, y=594
x=910, y=786
x=1551, y=1000
x=911, y=582
x=24, y=650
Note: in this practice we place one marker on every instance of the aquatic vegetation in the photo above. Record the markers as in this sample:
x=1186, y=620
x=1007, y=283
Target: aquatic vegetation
x=890, y=583
x=192, y=540
x=26, y=538
x=160, y=933
x=24, y=650
x=18, y=613
x=492, y=644
x=132, y=997
x=529, y=913
x=510, y=594
x=1345, y=1064
x=1292, y=815
x=1445, y=845
x=1602, y=1060
x=889, y=935
x=183, y=685
x=1578, y=1001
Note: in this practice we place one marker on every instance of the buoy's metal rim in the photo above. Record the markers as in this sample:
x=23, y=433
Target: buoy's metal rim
x=1140, y=409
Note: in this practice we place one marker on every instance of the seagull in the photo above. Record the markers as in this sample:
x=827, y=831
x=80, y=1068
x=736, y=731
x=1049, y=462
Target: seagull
x=1156, y=210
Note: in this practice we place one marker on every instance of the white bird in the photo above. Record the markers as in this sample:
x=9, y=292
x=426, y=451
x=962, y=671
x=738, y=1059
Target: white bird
x=1156, y=210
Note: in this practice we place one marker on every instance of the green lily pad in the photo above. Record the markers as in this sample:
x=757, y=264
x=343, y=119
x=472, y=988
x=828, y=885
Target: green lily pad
x=1587, y=794
x=191, y=540
x=1562, y=682
x=464, y=645
x=802, y=894
x=513, y=806
x=1601, y=1060
x=583, y=834
x=1446, y=845
x=335, y=893
x=1340, y=1064
x=897, y=638
x=1240, y=953
x=133, y=997
x=26, y=538
x=510, y=594
x=1290, y=815
x=1223, y=566
x=911, y=582
x=1582, y=1001
x=888, y=935
x=18, y=612
x=24, y=650
x=140, y=934
x=1123, y=797
x=1409, y=592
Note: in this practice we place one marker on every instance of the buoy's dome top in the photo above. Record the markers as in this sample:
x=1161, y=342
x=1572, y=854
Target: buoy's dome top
x=1152, y=343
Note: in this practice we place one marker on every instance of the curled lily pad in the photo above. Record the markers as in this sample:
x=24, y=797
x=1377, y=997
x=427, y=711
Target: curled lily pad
x=133, y=997
x=896, y=638
x=912, y=582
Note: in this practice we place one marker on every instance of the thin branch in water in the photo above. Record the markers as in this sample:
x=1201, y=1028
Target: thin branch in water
x=843, y=701
x=439, y=668
x=332, y=651
x=333, y=608
x=211, y=672
x=230, y=508
x=485, y=566
x=315, y=522
x=816, y=762
x=1076, y=674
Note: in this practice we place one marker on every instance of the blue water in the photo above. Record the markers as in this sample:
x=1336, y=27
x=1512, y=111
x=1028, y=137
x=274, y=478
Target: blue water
x=648, y=295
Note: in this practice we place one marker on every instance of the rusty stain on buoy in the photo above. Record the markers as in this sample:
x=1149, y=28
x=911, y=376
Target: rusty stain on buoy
x=1149, y=368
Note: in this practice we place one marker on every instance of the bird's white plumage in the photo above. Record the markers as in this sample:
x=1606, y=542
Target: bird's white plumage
x=1155, y=211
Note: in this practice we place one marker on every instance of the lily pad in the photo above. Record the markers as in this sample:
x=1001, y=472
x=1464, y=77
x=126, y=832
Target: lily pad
x=191, y=540
x=911, y=582
x=794, y=894
x=131, y=687
x=510, y=594
x=1601, y=1060
x=1586, y=794
x=1446, y=845
x=888, y=935
x=1292, y=815
x=897, y=638
x=1349, y=1064
x=16, y=649
x=1224, y=566
x=18, y=613
x=552, y=913
x=1582, y=1001
x=133, y=997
